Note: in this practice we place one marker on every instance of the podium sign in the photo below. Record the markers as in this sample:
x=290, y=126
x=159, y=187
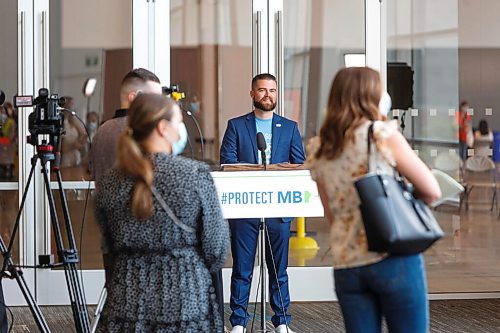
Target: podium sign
x=256, y=194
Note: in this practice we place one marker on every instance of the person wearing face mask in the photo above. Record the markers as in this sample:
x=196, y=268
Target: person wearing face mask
x=105, y=141
x=161, y=219
x=92, y=123
x=284, y=145
x=8, y=141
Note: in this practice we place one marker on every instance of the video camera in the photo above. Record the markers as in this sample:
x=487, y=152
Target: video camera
x=47, y=117
x=173, y=91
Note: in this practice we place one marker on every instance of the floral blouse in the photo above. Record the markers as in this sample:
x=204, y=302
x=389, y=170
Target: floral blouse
x=347, y=234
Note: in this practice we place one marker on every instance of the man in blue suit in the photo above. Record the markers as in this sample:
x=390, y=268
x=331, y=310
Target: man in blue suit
x=284, y=145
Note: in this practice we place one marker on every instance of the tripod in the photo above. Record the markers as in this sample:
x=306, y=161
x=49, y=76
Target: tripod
x=262, y=263
x=69, y=257
x=263, y=232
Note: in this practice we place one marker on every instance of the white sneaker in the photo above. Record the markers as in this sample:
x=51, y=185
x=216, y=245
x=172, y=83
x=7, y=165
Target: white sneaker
x=282, y=329
x=238, y=329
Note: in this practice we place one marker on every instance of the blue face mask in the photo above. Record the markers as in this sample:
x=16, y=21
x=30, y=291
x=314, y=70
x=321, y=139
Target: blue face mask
x=179, y=145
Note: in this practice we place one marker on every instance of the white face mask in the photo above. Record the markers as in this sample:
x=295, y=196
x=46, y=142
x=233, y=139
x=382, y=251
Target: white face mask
x=384, y=106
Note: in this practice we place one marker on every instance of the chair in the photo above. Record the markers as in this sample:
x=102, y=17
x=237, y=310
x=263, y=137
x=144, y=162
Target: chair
x=450, y=189
x=449, y=162
x=479, y=172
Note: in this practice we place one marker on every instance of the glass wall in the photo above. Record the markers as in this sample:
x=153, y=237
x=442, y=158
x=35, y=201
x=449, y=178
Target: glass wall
x=211, y=62
x=87, y=40
x=9, y=162
x=439, y=54
x=316, y=42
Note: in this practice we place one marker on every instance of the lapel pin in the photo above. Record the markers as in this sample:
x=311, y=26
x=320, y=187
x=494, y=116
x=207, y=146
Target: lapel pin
x=278, y=125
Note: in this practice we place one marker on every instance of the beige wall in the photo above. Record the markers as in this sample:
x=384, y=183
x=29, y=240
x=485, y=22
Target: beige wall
x=96, y=24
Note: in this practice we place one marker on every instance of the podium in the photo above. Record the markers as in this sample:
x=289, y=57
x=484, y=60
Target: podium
x=255, y=191
x=282, y=190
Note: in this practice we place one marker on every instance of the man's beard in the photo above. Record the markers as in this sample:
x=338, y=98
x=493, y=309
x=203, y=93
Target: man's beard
x=264, y=107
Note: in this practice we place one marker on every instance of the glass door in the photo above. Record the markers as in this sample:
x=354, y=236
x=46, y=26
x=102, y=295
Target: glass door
x=442, y=74
x=79, y=41
x=16, y=65
x=216, y=48
x=319, y=38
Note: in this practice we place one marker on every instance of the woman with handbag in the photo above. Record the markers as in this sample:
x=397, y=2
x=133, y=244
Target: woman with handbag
x=161, y=219
x=369, y=285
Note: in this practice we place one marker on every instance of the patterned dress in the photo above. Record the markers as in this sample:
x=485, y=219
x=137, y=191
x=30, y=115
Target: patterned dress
x=347, y=233
x=161, y=278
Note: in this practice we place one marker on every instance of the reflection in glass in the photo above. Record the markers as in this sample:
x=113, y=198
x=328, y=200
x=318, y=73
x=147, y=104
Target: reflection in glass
x=8, y=84
x=211, y=57
x=8, y=213
x=8, y=142
x=316, y=46
x=453, y=59
x=85, y=229
x=102, y=53
x=316, y=41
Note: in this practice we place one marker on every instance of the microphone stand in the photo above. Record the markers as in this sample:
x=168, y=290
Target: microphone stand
x=262, y=262
x=197, y=124
x=263, y=157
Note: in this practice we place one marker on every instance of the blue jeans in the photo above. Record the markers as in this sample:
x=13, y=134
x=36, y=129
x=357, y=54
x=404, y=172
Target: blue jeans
x=463, y=150
x=394, y=288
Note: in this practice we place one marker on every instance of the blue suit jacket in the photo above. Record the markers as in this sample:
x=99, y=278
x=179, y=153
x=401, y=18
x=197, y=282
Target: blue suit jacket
x=240, y=141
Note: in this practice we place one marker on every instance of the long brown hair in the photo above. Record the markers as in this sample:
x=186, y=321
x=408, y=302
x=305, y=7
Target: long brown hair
x=354, y=98
x=144, y=114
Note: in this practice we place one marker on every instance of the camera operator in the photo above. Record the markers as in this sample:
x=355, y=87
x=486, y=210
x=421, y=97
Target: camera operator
x=105, y=141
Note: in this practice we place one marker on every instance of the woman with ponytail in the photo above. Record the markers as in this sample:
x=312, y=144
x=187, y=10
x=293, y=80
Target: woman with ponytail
x=160, y=216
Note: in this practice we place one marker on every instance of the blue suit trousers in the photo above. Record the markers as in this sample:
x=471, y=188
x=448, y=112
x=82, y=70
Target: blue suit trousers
x=244, y=238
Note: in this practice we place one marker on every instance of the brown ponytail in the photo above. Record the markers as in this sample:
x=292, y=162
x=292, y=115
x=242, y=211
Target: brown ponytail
x=144, y=114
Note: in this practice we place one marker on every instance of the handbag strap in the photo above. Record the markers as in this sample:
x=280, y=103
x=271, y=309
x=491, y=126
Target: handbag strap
x=369, y=141
x=169, y=212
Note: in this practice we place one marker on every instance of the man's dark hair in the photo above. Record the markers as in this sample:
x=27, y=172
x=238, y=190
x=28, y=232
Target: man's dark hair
x=263, y=76
x=139, y=75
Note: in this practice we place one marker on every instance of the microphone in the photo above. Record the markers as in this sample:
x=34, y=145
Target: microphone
x=2, y=97
x=261, y=145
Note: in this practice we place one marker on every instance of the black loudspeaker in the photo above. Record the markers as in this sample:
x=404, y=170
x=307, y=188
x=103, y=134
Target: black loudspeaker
x=400, y=85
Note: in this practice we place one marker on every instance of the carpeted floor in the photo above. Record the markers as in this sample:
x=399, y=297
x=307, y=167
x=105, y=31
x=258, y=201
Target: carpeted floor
x=454, y=316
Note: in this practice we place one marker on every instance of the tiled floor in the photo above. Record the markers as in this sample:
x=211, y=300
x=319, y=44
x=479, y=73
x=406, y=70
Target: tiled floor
x=450, y=316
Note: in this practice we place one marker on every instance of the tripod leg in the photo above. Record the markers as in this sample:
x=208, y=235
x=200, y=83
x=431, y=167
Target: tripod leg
x=78, y=290
x=262, y=246
x=18, y=217
x=98, y=310
x=263, y=285
x=276, y=277
x=68, y=257
x=17, y=274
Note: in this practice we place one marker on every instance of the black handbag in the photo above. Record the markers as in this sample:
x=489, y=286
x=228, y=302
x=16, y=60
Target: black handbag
x=395, y=221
